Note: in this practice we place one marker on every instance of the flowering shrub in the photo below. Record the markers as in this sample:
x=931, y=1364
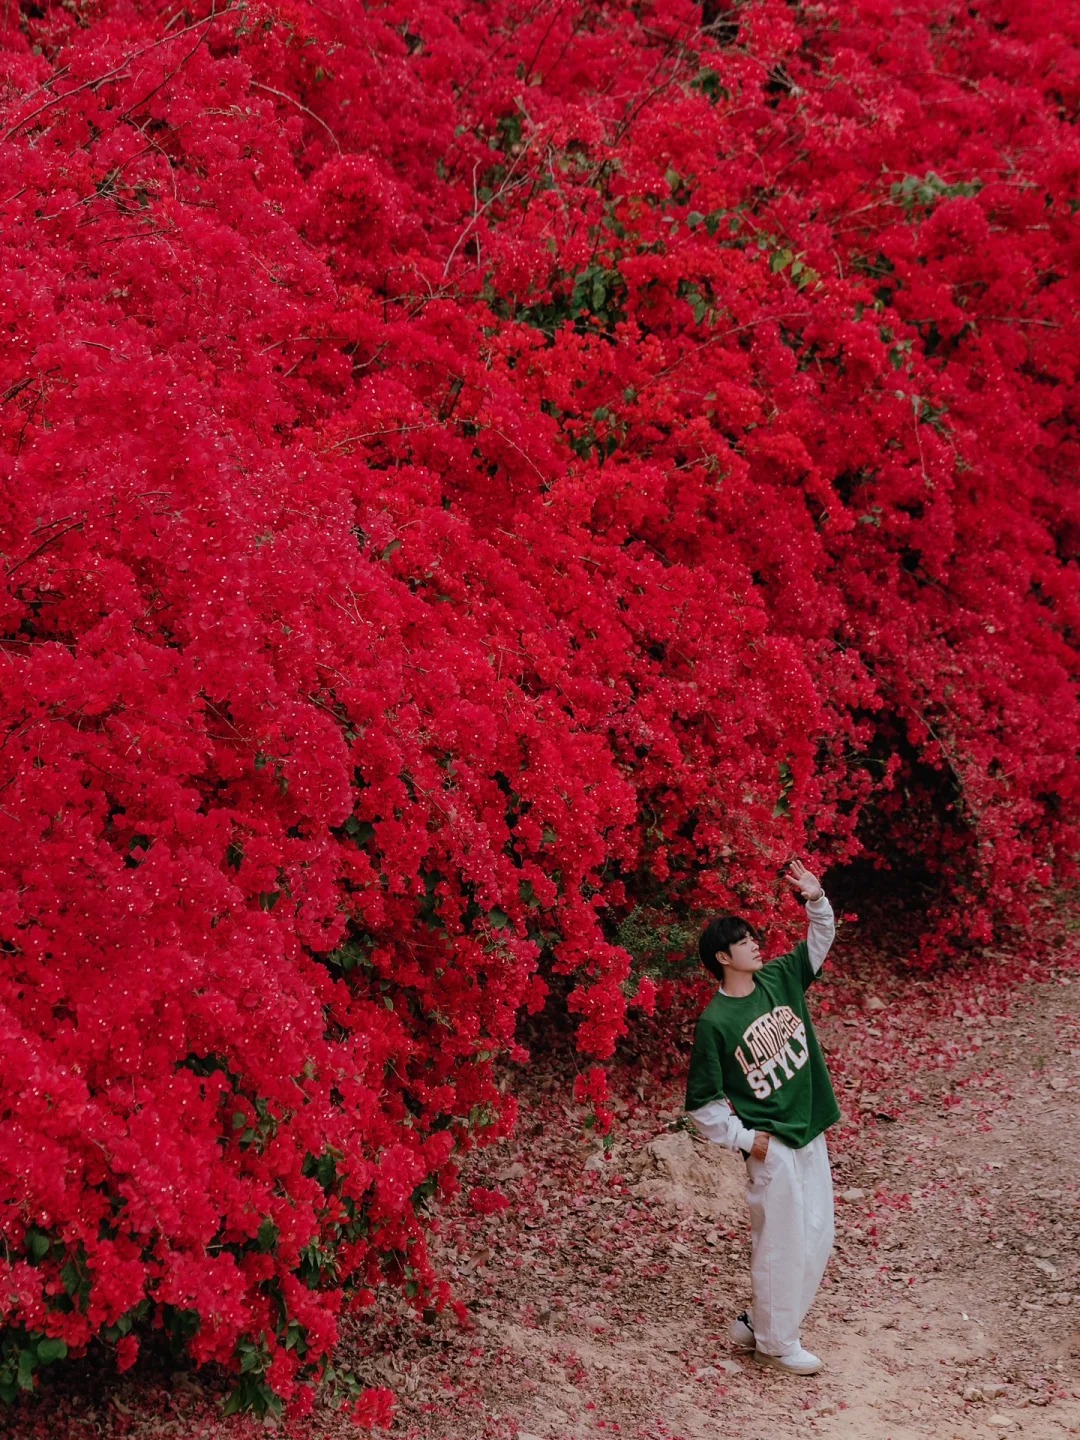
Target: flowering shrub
x=470, y=478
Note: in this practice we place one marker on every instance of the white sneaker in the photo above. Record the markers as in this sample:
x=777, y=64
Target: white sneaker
x=742, y=1331
x=795, y=1362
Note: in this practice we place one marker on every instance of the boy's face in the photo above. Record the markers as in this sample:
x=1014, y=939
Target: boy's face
x=744, y=955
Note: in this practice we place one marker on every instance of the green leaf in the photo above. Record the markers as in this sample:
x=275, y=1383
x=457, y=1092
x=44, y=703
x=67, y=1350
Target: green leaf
x=348, y=956
x=787, y=780
x=25, y=1376
x=73, y=1280
x=37, y=1244
x=697, y=303
x=709, y=84
x=362, y=831
x=50, y=1349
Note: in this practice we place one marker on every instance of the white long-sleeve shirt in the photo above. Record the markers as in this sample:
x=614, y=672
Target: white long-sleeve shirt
x=717, y=1121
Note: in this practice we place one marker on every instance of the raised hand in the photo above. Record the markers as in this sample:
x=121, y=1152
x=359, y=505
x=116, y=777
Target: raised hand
x=804, y=880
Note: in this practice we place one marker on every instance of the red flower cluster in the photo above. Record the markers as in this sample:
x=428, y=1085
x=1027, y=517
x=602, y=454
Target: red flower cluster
x=473, y=477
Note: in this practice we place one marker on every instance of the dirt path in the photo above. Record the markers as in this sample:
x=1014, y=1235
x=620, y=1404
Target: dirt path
x=952, y=1305
x=600, y=1302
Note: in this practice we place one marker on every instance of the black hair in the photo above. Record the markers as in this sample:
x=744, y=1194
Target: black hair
x=720, y=934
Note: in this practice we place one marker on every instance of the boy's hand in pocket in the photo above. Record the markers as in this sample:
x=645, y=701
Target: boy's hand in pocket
x=760, y=1147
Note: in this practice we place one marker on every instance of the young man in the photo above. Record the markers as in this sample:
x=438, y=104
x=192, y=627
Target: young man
x=758, y=1085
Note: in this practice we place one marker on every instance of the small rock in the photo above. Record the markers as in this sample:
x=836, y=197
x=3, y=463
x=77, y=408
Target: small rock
x=729, y=1367
x=974, y=1394
x=853, y=1194
x=527, y=1435
x=1000, y=1420
x=1059, y=1082
x=511, y=1172
x=596, y=1322
x=875, y=1002
x=1046, y=1268
x=707, y=1372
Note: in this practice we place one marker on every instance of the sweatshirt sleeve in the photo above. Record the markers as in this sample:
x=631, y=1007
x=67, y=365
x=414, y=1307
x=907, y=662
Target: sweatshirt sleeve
x=821, y=932
x=718, y=1123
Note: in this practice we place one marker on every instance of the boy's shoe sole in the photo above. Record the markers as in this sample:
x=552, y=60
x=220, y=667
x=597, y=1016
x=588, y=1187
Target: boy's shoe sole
x=742, y=1332
x=801, y=1364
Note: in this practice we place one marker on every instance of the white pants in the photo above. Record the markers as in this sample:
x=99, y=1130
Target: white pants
x=791, y=1235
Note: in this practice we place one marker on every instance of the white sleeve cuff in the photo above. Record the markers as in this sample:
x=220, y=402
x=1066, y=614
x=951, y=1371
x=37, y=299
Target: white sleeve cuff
x=720, y=1125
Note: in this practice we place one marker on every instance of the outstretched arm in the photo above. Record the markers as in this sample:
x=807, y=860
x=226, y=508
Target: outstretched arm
x=822, y=926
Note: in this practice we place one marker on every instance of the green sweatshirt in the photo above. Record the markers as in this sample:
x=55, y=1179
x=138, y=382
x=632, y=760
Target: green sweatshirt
x=759, y=1051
